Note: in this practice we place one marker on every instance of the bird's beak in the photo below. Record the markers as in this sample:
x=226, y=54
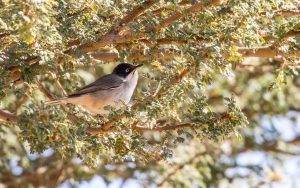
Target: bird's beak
x=134, y=69
x=138, y=66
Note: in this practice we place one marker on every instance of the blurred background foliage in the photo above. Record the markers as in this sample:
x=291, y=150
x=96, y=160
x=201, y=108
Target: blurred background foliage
x=219, y=80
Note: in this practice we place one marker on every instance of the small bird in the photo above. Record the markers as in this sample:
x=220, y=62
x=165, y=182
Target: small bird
x=112, y=89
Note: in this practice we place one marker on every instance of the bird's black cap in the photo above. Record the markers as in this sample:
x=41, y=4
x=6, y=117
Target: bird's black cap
x=124, y=69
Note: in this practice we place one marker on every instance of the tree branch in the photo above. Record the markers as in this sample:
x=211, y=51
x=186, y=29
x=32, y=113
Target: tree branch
x=295, y=141
x=179, y=167
x=105, y=56
x=95, y=131
x=162, y=128
x=63, y=91
x=136, y=55
x=3, y=35
x=267, y=52
x=107, y=40
x=160, y=10
x=198, y=6
x=291, y=33
x=286, y=13
x=262, y=52
x=44, y=91
x=8, y=117
x=137, y=11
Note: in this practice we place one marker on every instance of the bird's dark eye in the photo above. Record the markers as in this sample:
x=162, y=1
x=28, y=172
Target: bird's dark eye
x=127, y=70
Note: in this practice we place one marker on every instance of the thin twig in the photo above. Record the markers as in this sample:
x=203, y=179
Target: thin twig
x=44, y=90
x=285, y=13
x=57, y=82
x=162, y=128
x=179, y=167
x=157, y=89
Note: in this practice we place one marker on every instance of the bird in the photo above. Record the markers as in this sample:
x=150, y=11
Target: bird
x=113, y=90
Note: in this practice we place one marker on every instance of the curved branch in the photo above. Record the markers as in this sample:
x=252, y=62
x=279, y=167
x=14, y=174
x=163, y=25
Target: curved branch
x=9, y=117
x=95, y=131
x=265, y=52
x=105, y=56
x=286, y=13
x=198, y=6
x=291, y=33
x=44, y=90
x=137, y=11
x=107, y=40
x=163, y=128
x=136, y=55
x=3, y=35
x=262, y=52
x=160, y=10
x=179, y=167
x=295, y=141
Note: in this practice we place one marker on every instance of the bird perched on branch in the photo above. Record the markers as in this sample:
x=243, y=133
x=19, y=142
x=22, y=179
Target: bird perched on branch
x=113, y=89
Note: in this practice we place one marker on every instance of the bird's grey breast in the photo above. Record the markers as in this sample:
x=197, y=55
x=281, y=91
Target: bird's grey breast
x=121, y=94
x=128, y=87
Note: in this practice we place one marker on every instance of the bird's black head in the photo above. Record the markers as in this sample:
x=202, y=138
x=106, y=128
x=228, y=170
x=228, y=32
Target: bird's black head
x=124, y=69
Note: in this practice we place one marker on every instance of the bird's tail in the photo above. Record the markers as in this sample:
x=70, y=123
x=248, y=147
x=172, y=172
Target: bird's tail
x=57, y=101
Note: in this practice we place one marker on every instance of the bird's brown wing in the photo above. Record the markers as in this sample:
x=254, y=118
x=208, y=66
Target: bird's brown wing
x=106, y=82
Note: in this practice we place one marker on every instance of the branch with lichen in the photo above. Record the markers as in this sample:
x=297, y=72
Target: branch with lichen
x=266, y=52
x=7, y=116
x=285, y=13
